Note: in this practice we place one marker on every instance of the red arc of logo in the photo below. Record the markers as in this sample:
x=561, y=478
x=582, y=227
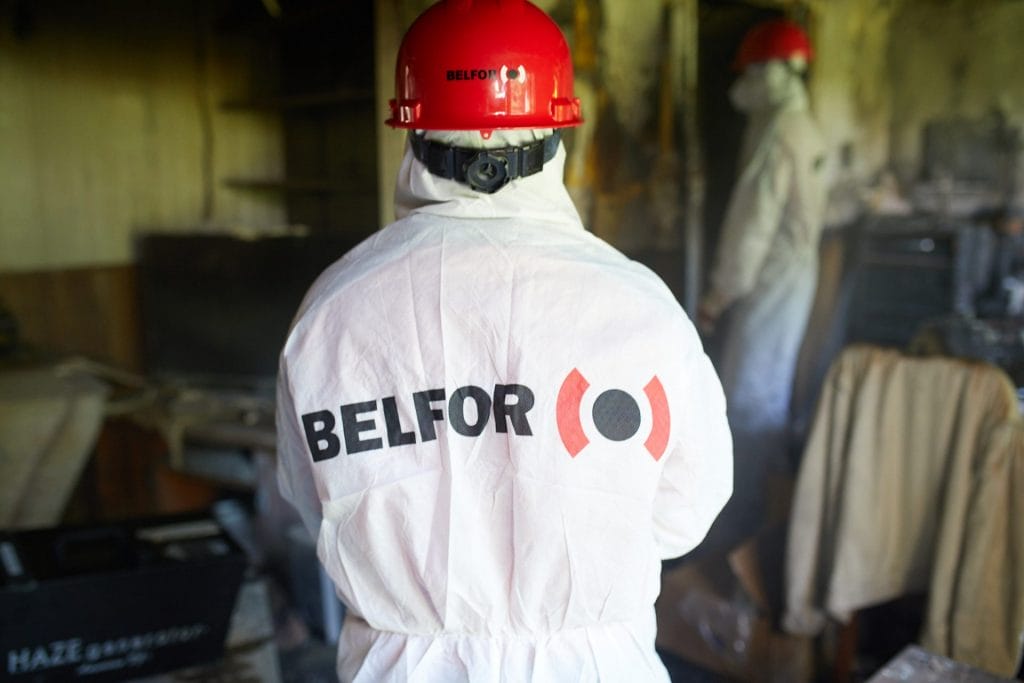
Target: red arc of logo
x=568, y=412
x=657, y=440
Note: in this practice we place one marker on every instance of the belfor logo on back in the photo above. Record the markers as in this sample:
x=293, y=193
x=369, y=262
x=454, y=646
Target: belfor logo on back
x=377, y=424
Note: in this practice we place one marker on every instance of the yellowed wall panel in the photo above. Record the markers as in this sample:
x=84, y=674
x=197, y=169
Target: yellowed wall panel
x=109, y=124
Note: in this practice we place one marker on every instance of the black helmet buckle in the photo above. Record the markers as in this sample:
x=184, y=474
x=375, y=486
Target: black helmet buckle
x=484, y=170
x=487, y=172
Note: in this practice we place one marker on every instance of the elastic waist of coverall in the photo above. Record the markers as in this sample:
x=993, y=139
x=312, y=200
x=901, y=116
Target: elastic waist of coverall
x=638, y=625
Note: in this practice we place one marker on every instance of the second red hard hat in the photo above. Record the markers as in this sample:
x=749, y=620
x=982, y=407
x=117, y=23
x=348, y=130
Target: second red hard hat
x=775, y=39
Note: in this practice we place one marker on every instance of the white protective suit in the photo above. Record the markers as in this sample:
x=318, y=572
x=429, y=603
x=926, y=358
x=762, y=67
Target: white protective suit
x=766, y=266
x=443, y=422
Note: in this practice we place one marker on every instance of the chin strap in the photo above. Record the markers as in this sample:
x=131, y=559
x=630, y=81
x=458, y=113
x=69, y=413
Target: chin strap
x=484, y=170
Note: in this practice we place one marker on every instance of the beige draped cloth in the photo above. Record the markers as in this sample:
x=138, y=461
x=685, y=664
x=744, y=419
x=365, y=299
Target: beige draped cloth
x=976, y=609
x=50, y=418
x=911, y=482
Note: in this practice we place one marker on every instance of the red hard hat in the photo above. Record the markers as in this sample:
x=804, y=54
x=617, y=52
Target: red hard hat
x=775, y=39
x=484, y=65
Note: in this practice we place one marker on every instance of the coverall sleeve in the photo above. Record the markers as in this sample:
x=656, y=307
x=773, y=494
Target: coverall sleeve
x=697, y=479
x=294, y=463
x=751, y=223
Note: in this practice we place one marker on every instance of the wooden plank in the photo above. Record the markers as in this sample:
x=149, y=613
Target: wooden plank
x=83, y=311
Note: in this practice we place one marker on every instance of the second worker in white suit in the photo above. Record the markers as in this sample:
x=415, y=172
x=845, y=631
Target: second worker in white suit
x=765, y=272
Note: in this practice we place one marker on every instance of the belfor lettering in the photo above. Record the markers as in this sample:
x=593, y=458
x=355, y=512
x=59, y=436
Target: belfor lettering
x=471, y=74
x=367, y=424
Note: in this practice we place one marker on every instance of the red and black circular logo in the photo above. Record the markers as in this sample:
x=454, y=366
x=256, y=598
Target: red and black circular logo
x=616, y=415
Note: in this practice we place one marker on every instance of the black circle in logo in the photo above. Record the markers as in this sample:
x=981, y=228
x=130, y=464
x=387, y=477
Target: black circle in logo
x=616, y=415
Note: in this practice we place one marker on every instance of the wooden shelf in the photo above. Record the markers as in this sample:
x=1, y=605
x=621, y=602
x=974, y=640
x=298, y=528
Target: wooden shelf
x=320, y=89
x=302, y=101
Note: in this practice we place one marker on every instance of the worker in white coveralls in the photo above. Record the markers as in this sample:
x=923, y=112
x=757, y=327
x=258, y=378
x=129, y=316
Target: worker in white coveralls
x=494, y=423
x=766, y=267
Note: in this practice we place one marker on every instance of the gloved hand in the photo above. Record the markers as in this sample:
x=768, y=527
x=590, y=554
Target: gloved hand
x=709, y=310
x=707, y=318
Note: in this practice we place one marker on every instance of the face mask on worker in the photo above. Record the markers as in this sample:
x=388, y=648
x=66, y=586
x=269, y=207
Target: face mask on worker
x=766, y=85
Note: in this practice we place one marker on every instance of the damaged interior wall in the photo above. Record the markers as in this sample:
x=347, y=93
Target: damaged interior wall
x=952, y=59
x=886, y=69
x=634, y=157
x=851, y=94
x=110, y=122
x=111, y=119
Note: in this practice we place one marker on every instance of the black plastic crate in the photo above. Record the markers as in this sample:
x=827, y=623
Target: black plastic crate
x=107, y=603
